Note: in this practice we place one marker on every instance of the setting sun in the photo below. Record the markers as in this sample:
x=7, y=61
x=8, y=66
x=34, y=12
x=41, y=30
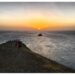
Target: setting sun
x=38, y=23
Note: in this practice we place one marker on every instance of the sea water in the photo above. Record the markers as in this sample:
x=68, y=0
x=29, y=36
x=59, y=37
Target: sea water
x=58, y=46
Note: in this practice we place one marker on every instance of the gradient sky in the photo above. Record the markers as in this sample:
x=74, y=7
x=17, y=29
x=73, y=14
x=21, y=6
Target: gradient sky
x=37, y=16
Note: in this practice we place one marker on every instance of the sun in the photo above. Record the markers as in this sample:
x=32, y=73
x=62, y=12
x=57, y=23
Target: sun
x=38, y=23
x=39, y=28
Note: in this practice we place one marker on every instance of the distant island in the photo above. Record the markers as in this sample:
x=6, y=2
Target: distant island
x=16, y=57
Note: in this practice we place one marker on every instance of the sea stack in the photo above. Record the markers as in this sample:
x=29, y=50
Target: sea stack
x=40, y=34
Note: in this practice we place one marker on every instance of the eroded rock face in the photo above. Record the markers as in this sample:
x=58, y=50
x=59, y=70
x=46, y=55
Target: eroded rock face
x=16, y=57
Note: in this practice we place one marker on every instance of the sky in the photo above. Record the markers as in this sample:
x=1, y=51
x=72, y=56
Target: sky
x=37, y=15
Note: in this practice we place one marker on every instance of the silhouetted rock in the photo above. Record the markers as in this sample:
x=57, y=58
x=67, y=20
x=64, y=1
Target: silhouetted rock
x=19, y=58
x=40, y=34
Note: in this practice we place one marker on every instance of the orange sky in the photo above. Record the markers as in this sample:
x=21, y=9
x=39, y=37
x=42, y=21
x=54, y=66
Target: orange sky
x=37, y=23
x=36, y=16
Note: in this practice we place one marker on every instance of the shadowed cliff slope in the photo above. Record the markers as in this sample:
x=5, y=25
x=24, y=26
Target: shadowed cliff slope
x=16, y=57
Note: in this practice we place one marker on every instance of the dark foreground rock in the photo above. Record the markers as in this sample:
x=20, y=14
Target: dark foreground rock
x=16, y=57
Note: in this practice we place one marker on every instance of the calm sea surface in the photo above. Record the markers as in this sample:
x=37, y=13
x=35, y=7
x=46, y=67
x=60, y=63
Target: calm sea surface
x=58, y=46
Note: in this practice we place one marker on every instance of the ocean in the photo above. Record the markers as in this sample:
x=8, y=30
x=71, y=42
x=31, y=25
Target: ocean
x=57, y=46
